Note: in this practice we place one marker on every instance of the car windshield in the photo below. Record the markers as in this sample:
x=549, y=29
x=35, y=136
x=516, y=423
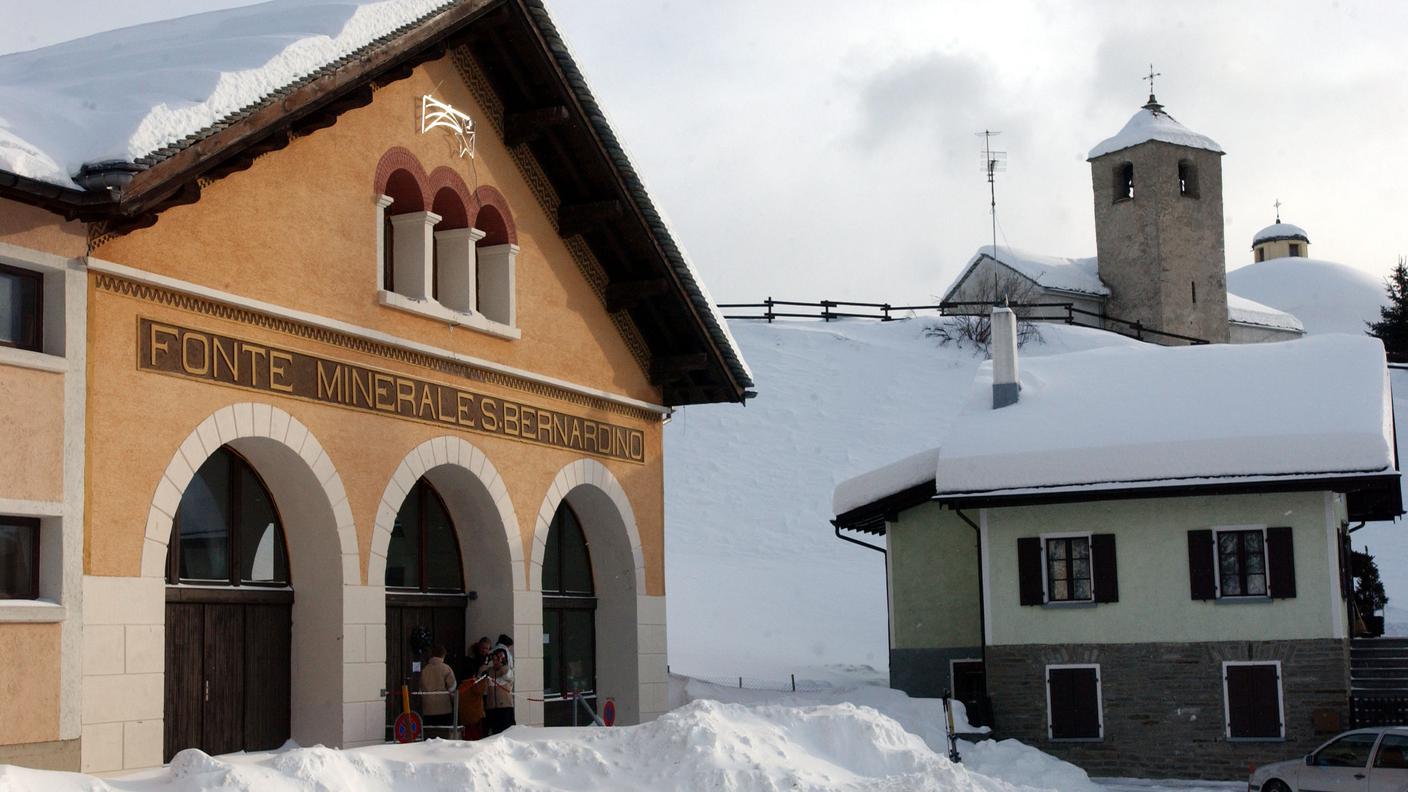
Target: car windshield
x=1351, y=750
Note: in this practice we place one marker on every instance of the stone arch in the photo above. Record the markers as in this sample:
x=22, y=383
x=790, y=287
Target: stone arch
x=618, y=568
x=400, y=159
x=317, y=521
x=486, y=197
x=443, y=178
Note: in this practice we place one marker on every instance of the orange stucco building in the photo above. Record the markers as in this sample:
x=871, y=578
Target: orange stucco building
x=326, y=383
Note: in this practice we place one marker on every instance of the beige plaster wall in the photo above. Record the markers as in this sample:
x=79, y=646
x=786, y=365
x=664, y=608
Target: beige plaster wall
x=298, y=229
x=32, y=465
x=29, y=683
x=31, y=227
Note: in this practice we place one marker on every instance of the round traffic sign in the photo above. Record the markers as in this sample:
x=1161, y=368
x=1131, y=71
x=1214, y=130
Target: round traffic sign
x=608, y=712
x=408, y=727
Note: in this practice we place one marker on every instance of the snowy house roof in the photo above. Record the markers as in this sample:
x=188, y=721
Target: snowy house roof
x=1152, y=123
x=1278, y=231
x=1079, y=275
x=1240, y=310
x=118, y=126
x=1108, y=422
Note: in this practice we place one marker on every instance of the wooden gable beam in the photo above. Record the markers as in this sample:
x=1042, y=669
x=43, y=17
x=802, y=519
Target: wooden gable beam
x=626, y=295
x=573, y=219
x=528, y=125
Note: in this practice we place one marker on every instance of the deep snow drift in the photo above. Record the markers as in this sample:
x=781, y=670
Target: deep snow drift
x=759, y=585
x=1325, y=296
x=704, y=745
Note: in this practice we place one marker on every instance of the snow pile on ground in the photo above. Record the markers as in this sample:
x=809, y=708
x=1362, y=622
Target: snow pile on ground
x=759, y=585
x=123, y=94
x=704, y=745
x=1325, y=296
x=1149, y=124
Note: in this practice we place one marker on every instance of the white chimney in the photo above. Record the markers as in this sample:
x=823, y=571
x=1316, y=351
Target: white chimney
x=1004, y=357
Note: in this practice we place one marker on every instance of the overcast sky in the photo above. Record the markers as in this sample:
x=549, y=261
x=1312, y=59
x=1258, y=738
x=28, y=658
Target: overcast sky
x=824, y=149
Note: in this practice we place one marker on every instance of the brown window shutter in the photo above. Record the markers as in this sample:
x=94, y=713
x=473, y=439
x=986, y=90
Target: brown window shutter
x=1075, y=703
x=1201, y=580
x=1102, y=557
x=1253, y=701
x=1029, y=574
x=1280, y=563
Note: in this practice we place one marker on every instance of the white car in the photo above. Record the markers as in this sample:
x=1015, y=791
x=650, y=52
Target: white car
x=1363, y=760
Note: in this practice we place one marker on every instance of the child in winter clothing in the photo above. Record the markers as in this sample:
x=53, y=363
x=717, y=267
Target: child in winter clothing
x=499, y=715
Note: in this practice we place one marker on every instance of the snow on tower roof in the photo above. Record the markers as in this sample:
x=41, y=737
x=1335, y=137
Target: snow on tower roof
x=1277, y=231
x=125, y=94
x=1240, y=310
x=1152, y=123
x=1144, y=417
x=1053, y=272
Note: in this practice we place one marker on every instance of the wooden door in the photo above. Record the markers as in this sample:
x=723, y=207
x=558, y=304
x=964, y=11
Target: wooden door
x=443, y=617
x=185, y=676
x=267, y=647
x=222, y=713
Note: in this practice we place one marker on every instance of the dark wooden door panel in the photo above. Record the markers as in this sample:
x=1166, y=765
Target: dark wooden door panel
x=184, y=644
x=449, y=632
x=267, y=636
x=223, y=686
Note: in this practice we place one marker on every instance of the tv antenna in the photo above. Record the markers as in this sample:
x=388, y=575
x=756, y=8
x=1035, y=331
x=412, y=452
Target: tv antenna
x=993, y=163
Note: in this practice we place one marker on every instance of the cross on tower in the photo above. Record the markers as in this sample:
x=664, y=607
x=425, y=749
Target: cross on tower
x=1150, y=78
x=1278, y=209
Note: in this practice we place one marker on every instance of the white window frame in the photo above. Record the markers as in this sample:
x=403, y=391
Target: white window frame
x=1217, y=563
x=1227, y=701
x=1046, y=568
x=1099, y=700
x=53, y=300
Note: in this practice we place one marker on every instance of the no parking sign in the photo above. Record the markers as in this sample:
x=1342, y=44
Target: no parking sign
x=608, y=712
x=408, y=727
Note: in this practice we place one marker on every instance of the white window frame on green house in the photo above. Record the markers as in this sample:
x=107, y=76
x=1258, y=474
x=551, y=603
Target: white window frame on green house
x=1099, y=700
x=1227, y=701
x=1217, y=532
x=1046, y=567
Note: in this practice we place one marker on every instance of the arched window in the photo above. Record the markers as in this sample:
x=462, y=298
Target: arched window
x=452, y=257
x=1124, y=182
x=495, y=271
x=1187, y=179
x=569, y=615
x=424, y=554
x=227, y=529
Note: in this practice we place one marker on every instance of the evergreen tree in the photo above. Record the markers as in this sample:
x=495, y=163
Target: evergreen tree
x=1369, y=594
x=1392, y=327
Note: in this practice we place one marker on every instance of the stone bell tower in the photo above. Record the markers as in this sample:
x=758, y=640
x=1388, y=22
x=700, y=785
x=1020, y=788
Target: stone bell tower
x=1159, y=228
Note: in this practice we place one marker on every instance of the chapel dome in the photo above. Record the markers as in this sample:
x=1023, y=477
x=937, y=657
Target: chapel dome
x=1152, y=123
x=1278, y=231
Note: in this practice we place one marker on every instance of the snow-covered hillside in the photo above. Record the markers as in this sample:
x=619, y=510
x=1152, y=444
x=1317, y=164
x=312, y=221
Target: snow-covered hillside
x=1325, y=296
x=759, y=585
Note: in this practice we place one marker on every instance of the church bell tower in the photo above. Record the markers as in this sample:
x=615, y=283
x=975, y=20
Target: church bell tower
x=1159, y=227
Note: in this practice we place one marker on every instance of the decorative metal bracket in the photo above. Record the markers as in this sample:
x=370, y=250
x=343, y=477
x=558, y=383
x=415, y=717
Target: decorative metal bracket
x=434, y=113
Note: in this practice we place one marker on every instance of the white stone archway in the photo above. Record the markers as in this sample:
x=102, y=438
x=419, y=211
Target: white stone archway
x=491, y=545
x=324, y=568
x=631, y=664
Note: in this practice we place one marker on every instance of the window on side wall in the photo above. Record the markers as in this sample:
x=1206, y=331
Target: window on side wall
x=1252, y=700
x=19, y=558
x=1058, y=569
x=1295, y=250
x=21, y=308
x=1074, y=709
x=1241, y=563
x=1247, y=562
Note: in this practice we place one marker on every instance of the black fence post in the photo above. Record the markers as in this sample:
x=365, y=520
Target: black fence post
x=794, y=683
x=768, y=313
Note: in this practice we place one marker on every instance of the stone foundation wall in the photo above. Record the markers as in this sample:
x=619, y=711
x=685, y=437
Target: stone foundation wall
x=1163, y=703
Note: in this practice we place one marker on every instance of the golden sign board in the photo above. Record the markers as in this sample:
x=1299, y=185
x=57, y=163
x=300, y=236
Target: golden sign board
x=201, y=355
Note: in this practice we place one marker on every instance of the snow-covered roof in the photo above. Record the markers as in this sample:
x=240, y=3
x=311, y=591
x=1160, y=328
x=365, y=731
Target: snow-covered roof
x=1147, y=416
x=1152, y=123
x=1240, y=310
x=1078, y=275
x=125, y=94
x=1277, y=231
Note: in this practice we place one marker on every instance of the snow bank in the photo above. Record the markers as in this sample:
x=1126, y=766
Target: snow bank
x=1325, y=296
x=749, y=490
x=1250, y=312
x=705, y=745
x=1149, y=124
x=124, y=94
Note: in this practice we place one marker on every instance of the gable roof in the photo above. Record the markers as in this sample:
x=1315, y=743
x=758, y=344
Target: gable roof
x=1144, y=420
x=154, y=161
x=1078, y=275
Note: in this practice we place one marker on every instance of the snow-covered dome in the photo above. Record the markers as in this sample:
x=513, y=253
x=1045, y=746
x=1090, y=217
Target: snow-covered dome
x=1278, y=231
x=1152, y=123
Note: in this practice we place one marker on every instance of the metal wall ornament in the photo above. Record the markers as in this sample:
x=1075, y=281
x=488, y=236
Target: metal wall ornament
x=437, y=114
